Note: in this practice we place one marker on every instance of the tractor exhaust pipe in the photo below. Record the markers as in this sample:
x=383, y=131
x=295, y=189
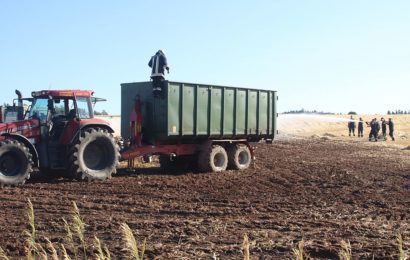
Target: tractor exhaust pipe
x=20, y=109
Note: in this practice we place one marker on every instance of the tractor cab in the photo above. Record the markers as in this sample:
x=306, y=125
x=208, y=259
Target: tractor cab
x=59, y=112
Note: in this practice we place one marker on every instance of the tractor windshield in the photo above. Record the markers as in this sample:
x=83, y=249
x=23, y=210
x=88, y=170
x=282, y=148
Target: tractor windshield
x=39, y=109
x=84, y=107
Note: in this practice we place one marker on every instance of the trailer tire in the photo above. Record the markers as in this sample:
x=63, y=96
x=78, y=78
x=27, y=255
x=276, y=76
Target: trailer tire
x=94, y=156
x=239, y=157
x=15, y=163
x=214, y=159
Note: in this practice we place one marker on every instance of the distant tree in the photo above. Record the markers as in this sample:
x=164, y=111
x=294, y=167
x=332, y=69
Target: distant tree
x=388, y=112
x=303, y=111
x=352, y=113
x=103, y=113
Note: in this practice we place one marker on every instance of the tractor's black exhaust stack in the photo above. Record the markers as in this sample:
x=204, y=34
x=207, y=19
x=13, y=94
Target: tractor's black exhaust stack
x=20, y=109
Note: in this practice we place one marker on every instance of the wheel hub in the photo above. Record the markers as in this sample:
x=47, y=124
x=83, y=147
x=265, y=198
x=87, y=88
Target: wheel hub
x=9, y=165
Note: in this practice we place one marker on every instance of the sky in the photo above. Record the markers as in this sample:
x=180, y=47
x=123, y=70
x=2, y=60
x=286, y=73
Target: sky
x=325, y=55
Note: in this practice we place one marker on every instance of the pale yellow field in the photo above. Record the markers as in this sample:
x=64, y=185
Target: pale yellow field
x=115, y=123
x=321, y=126
x=335, y=127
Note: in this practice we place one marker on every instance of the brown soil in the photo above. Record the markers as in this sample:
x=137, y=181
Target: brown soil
x=323, y=191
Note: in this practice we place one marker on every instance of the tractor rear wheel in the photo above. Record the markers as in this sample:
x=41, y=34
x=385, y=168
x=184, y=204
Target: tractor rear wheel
x=94, y=156
x=239, y=157
x=15, y=163
x=214, y=159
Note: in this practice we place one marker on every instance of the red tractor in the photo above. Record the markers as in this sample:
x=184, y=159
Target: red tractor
x=59, y=135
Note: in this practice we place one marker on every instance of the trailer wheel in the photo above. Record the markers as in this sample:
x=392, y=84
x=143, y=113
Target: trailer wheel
x=94, y=156
x=15, y=163
x=239, y=157
x=214, y=159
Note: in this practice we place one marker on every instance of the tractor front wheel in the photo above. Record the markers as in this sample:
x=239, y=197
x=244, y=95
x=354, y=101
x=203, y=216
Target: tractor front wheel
x=15, y=163
x=94, y=156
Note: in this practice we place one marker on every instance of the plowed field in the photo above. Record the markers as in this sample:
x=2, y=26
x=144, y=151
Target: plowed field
x=323, y=191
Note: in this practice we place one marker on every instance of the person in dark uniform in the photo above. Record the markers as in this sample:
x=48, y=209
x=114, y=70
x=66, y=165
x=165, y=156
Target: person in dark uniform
x=374, y=129
x=351, y=125
x=159, y=64
x=384, y=129
x=360, y=128
x=391, y=128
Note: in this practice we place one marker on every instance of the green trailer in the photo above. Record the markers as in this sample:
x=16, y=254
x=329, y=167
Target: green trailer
x=211, y=123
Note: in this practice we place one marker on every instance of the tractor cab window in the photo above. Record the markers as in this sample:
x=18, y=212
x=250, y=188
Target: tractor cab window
x=39, y=109
x=83, y=107
x=64, y=107
x=59, y=107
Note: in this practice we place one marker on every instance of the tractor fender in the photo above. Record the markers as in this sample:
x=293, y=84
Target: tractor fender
x=27, y=143
x=92, y=125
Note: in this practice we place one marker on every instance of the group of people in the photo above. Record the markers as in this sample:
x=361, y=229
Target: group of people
x=374, y=125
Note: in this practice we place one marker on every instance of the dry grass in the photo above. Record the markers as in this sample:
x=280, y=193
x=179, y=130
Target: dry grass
x=51, y=248
x=345, y=252
x=3, y=255
x=131, y=246
x=103, y=254
x=70, y=238
x=403, y=255
x=78, y=227
x=35, y=250
x=245, y=247
x=32, y=250
x=64, y=253
x=299, y=251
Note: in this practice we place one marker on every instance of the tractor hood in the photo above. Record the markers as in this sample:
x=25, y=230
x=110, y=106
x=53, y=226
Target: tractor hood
x=23, y=127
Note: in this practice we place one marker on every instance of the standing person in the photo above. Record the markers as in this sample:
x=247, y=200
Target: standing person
x=384, y=128
x=391, y=128
x=374, y=129
x=351, y=125
x=376, y=126
x=360, y=128
x=159, y=64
